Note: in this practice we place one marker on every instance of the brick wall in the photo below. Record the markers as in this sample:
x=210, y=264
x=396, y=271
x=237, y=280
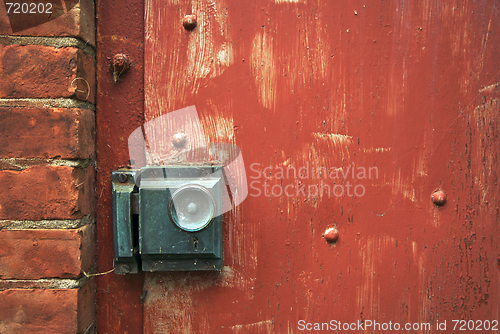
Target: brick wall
x=47, y=203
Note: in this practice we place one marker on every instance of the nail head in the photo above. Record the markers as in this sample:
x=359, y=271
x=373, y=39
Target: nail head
x=189, y=22
x=179, y=140
x=122, y=177
x=439, y=198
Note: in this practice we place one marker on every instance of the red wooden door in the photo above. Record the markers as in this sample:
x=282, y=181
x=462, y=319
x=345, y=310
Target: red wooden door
x=348, y=115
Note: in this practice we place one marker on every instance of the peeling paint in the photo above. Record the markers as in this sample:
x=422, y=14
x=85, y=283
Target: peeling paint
x=264, y=69
x=409, y=88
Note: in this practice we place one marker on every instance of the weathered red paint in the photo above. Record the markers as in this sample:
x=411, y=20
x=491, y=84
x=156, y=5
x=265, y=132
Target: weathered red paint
x=119, y=112
x=410, y=88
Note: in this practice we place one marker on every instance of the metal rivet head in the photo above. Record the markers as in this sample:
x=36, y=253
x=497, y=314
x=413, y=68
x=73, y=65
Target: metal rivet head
x=331, y=234
x=439, y=198
x=122, y=177
x=189, y=22
x=179, y=140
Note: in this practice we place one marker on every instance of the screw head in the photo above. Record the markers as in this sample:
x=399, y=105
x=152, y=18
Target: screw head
x=126, y=268
x=331, y=234
x=122, y=177
x=439, y=198
x=189, y=22
x=179, y=140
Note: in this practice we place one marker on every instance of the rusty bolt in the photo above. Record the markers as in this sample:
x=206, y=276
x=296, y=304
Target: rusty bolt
x=331, y=234
x=179, y=140
x=126, y=268
x=439, y=198
x=122, y=177
x=120, y=63
x=189, y=22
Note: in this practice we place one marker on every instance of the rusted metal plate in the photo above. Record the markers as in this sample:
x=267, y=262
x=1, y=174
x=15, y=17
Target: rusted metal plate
x=119, y=111
x=408, y=89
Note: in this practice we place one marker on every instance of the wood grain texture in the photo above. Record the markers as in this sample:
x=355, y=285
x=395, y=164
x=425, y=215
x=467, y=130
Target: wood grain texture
x=410, y=88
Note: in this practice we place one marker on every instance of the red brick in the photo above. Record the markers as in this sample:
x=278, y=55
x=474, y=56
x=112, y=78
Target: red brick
x=86, y=305
x=35, y=254
x=35, y=71
x=47, y=310
x=47, y=192
x=78, y=21
x=47, y=133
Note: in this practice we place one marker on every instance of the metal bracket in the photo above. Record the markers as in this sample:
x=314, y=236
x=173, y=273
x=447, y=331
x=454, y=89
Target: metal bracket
x=146, y=235
x=125, y=222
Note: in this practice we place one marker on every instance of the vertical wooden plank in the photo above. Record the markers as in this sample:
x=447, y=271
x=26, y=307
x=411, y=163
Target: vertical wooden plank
x=405, y=90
